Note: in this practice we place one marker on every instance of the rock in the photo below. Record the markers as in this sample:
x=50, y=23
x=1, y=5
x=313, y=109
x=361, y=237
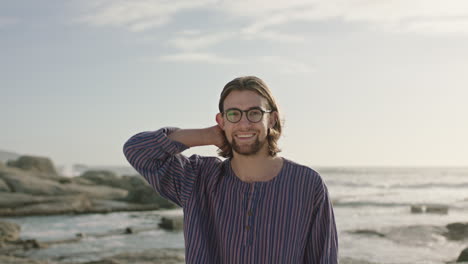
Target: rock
x=129, y=230
x=16, y=260
x=20, y=182
x=107, y=206
x=135, y=181
x=457, y=231
x=97, y=191
x=414, y=235
x=108, y=178
x=347, y=260
x=368, y=232
x=26, y=182
x=9, y=231
x=4, y=186
x=146, y=195
x=31, y=163
x=463, y=256
x=160, y=256
x=429, y=208
x=102, y=177
x=54, y=205
x=173, y=223
x=31, y=192
x=31, y=244
x=105, y=261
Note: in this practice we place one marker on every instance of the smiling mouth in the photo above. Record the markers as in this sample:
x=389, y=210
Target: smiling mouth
x=245, y=136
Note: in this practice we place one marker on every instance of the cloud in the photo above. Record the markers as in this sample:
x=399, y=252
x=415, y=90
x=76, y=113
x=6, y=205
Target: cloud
x=198, y=57
x=280, y=64
x=285, y=65
x=137, y=15
x=262, y=17
x=194, y=40
x=427, y=17
x=438, y=27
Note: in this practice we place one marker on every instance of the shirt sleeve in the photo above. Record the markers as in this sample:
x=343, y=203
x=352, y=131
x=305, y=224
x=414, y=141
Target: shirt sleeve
x=157, y=158
x=322, y=244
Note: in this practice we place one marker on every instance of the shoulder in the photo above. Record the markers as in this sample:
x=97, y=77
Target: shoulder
x=299, y=170
x=210, y=171
x=209, y=163
x=310, y=181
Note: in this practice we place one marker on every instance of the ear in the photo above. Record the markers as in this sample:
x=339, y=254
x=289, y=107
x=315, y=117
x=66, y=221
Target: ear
x=220, y=120
x=273, y=119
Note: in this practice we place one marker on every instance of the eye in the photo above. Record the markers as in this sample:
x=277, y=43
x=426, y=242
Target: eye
x=232, y=113
x=255, y=113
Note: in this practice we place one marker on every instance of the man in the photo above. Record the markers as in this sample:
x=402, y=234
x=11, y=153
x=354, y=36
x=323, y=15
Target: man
x=253, y=207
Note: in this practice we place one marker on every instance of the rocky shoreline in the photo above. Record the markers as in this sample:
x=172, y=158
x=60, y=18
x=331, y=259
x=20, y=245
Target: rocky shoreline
x=31, y=186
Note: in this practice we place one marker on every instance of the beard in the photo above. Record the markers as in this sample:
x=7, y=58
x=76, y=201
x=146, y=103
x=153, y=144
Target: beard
x=247, y=150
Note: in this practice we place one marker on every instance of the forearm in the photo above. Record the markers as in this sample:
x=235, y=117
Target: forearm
x=196, y=137
x=156, y=158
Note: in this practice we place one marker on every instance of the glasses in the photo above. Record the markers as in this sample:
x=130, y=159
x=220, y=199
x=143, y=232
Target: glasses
x=254, y=115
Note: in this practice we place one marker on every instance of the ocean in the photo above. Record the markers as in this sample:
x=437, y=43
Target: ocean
x=372, y=211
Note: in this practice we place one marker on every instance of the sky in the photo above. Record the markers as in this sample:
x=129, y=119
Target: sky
x=358, y=82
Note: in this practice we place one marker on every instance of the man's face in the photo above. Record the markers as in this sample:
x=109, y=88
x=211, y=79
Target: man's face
x=246, y=138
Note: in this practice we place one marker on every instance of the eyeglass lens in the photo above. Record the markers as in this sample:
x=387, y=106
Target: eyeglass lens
x=235, y=115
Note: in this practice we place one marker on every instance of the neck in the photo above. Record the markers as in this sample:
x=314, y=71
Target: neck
x=260, y=167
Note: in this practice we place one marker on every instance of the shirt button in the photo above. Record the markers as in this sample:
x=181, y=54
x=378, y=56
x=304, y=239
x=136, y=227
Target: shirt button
x=249, y=213
x=247, y=228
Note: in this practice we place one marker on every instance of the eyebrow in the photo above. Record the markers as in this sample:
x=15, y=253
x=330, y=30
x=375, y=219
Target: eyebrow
x=253, y=107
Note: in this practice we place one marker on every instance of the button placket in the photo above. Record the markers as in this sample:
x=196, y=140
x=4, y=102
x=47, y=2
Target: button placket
x=248, y=236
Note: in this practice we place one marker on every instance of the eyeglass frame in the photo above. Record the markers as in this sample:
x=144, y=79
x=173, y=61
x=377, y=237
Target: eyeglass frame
x=247, y=113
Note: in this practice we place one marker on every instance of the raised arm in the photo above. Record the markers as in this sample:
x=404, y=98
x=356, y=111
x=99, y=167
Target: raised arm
x=156, y=156
x=200, y=137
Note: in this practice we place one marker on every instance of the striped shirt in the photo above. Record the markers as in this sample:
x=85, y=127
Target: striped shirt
x=288, y=219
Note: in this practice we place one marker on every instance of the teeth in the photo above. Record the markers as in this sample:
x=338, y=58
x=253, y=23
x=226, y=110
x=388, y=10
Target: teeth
x=245, y=136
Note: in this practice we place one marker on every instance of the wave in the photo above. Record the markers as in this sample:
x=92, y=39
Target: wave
x=337, y=203
x=399, y=185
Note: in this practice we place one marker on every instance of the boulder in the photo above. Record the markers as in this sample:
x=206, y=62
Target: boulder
x=97, y=191
x=24, y=182
x=463, y=256
x=18, y=204
x=172, y=223
x=9, y=231
x=32, y=163
x=17, y=260
x=107, y=206
x=14, y=200
x=429, y=208
x=108, y=178
x=367, y=232
x=58, y=205
x=132, y=182
x=4, y=186
x=457, y=231
x=102, y=177
x=146, y=195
